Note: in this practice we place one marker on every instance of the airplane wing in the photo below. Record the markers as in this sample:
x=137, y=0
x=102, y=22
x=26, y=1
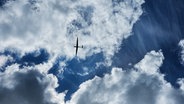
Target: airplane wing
x=76, y=46
x=76, y=50
x=77, y=42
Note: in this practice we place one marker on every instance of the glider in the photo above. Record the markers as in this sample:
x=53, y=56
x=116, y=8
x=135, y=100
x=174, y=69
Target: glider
x=77, y=46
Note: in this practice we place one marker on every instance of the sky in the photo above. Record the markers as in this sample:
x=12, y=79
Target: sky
x=133, y=52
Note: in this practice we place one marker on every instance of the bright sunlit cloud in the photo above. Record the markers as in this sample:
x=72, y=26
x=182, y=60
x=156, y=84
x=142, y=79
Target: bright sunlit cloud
x=55, y=24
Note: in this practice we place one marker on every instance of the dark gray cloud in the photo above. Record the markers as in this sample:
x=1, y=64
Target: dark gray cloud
x=25, y=87
x=27, y=90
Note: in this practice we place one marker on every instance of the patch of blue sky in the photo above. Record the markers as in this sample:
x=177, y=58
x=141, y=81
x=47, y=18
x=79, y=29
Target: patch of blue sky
x=77, y=71
x=29, y=59
x=160, y=27
x=34, y=58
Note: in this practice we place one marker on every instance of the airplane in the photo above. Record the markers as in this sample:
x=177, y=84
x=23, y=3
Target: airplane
x=77, y=46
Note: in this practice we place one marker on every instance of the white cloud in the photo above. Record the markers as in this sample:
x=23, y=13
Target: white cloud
x=131, y=86
x=181, y=44
x=54, y=25
x=144, y=64
x=145, y=85
x=4, y=59
x=28, y=86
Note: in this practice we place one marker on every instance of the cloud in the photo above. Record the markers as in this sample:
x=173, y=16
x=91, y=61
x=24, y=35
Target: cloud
x=141, y=85
x=54, y=25
x=131, y=86
x=4, y=59
x=151, y=63
x=28, y=86
x=181, y=44
x=29, y=25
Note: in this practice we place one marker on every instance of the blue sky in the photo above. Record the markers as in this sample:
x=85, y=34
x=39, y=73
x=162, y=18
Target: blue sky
x=131, y=48
x=160, y=27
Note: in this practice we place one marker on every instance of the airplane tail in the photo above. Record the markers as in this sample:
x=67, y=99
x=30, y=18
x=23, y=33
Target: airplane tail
x=82, y=46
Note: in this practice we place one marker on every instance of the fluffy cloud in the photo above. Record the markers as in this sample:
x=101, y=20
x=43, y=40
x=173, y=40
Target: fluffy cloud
x=28, y=86
x=181, y=44
x=28, y=25
x=142, y=86
x=4, y=59
x=55, y=24
x=151, y=63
